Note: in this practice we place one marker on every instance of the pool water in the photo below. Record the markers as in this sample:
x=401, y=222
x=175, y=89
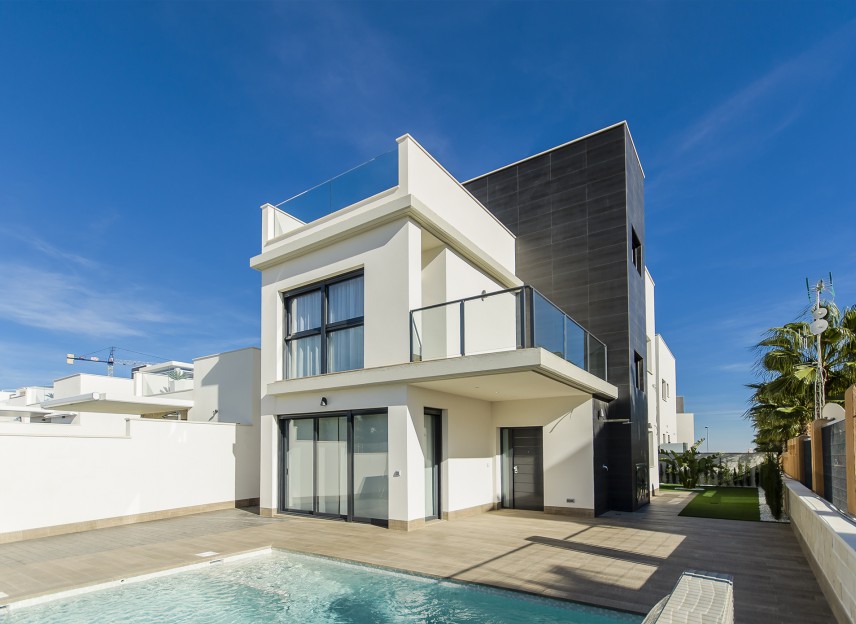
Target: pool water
x=287, y=587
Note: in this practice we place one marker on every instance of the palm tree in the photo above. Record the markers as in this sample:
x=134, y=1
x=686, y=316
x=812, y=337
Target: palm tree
x=782, y=403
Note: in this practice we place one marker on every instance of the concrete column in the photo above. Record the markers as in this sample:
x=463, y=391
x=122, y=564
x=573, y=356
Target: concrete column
x=850, y=446
x=817, y=456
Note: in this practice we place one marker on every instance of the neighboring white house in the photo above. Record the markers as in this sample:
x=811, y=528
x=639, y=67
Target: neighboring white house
x=175, y=438
x=667, y=428
x=686, y=424
x=406, y=372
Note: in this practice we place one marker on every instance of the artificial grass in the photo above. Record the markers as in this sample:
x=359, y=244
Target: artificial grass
x=727, y=503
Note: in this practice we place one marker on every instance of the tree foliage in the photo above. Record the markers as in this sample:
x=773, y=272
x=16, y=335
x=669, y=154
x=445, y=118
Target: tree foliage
x=782, y=402
x=689, y=465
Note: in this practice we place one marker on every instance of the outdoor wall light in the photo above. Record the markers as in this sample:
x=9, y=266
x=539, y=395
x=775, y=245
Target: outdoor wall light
x=323, y=401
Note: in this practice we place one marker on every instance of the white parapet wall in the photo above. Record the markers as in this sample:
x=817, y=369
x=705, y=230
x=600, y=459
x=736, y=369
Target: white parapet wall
x=58, y=479
x=829, y=541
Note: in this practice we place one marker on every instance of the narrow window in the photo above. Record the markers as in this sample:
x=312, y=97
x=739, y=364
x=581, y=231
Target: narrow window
x=636, y=251
x=640, y=371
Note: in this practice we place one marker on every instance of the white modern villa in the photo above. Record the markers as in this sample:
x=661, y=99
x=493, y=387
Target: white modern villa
x=407, y=373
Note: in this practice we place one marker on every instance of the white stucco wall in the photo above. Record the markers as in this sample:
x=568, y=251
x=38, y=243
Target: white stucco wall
x=226, y=387
x=568, y=451
x=422, y=176
x=666, y=405
x=153, y=465
x=686, y=428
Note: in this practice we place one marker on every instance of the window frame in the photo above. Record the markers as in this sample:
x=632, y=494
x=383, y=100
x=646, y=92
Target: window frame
x=325, y=328
x=639, y=371
x=636, y=251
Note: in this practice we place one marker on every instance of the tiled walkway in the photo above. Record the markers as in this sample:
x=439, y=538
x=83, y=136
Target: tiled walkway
x=621, y=560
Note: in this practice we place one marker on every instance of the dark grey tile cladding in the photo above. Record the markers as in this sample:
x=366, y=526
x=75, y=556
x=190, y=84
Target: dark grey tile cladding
x=572, y=209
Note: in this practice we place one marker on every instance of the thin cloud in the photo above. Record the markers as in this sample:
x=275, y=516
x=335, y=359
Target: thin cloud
x=746, y=119
x=34, y=242
x=62, y=302
x=781, y=87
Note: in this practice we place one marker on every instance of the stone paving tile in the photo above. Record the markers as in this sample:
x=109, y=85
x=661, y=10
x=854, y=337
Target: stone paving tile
x=620, y=560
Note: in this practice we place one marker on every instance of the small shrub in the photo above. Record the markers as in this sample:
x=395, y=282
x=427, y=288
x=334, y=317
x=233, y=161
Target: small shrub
x=771, y=481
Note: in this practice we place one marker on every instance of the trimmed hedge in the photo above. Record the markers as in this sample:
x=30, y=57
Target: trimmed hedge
x=771, y=481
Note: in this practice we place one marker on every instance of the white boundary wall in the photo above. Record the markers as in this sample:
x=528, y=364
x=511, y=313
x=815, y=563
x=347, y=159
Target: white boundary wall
x=52, y=475
x=829, y=542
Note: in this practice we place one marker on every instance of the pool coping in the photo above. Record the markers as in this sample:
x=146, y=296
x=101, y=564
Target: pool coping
x=210, y=559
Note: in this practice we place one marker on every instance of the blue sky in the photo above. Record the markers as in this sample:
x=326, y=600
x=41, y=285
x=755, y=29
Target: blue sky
x=138, y=141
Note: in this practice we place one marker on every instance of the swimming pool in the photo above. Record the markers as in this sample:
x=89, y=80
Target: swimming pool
x=287, y=587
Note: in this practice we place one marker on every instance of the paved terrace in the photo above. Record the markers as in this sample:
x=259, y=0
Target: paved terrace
x=621, y=560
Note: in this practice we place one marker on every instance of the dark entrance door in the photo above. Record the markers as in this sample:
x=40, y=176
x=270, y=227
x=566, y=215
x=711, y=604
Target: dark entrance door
x=523, y=468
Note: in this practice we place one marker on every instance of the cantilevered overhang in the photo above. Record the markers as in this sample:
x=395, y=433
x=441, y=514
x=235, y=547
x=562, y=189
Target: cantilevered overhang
x=117, y=404
x=317, y=235
x=26, y=411
x=502, y=376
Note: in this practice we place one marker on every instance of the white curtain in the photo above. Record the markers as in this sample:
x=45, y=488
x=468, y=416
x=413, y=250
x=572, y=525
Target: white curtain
x=304, y=312
x=345, y=349
x=304, y=357
x=345, y=300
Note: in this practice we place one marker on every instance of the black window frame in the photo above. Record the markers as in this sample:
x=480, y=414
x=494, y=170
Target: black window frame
x=325, y=329
x=282, y=449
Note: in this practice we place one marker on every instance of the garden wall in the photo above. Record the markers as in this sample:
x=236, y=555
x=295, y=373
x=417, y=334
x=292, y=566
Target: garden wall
x=828, y=540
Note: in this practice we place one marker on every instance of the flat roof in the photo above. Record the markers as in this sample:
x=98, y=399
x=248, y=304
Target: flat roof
x=547, y=151
x=107, y=403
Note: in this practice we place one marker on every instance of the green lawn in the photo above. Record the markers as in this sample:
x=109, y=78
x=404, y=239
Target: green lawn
x=728, y=503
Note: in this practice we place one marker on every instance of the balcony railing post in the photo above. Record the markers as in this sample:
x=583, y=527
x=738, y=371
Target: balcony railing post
x=521, y=316
x=411, y=336
x=587, y=347
x=530, y=321
x=463, y=332
x=564, y=336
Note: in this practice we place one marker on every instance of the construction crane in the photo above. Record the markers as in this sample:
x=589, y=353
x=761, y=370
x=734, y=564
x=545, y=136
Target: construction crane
x=110, y=360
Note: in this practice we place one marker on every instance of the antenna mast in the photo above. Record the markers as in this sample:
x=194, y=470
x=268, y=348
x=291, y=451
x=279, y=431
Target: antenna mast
x=819, y=325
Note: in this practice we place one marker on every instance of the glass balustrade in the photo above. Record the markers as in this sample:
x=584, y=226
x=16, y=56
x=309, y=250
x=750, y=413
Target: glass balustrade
x=355, y=185
x=503, y=321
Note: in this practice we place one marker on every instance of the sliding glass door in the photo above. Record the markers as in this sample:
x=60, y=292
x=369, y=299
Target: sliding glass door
x=431, y=451
x=336, y=465
x=331, y=466
x=300, y=462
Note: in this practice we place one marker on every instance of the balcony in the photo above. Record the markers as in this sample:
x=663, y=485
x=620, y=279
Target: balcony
x=517, y=318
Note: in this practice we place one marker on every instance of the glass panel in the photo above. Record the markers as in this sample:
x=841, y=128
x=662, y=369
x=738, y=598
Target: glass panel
x=366, y=180
x=304, y=312
x=345, y=349
x=437, y=332
x=429, y=451
x=304, y=357
x=596, y=357
x=575, y=343
x=378, y=174
x=505, y=445
x=549, y=325
x=300, y=462
x=490, y=324
x=332, y=450
x=345, y=300
x=371, y=493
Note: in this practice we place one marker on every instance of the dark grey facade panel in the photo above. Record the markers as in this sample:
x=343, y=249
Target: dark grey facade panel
x=573, y=210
